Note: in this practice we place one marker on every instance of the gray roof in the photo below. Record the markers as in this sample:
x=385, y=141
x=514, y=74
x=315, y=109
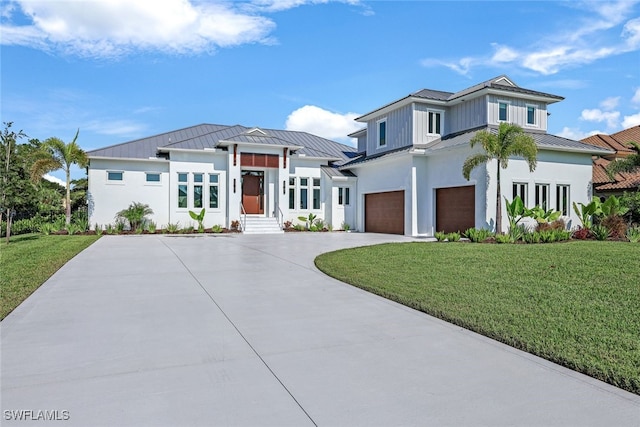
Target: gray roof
x=432, y=94
x=333, y=171
x=209, y=136
x=543, y=141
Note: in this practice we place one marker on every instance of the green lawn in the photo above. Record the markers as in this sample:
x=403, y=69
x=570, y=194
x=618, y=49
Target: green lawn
x=29, y=260
x=574, y=303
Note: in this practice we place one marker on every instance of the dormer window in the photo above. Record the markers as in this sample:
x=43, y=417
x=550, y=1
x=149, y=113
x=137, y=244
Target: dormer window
x=503, y=111
x=435, y=122
x=382, y=133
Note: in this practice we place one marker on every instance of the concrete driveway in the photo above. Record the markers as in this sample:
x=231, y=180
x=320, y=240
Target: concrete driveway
x=245, y=331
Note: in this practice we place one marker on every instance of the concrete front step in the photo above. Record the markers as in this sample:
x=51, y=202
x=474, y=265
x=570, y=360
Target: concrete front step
x=262, y=225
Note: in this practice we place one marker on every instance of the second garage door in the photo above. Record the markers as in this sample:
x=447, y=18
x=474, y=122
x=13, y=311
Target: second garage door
x=455, y=208
x=384, y=212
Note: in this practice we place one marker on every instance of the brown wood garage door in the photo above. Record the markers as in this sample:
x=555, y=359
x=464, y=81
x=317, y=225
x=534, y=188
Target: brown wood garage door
x=455, y=208
x=384, y=212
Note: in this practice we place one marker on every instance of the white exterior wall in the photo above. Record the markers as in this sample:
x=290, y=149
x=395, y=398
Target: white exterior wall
x=301, y=167
x=106, y=198
x=338, y=214
x=387, y=174
x=205, y=162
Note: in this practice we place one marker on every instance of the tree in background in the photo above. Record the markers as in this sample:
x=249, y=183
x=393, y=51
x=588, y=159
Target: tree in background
x=56, y=154
x=629, y=164
x=509, y=141
x=13, y=185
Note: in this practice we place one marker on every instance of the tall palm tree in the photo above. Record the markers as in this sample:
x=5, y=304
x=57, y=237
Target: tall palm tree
x=56, y=154
x=630, y=164
x=509, y=141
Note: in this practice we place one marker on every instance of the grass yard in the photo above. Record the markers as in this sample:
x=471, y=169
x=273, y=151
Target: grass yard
x=574, y=303
x=29, y=260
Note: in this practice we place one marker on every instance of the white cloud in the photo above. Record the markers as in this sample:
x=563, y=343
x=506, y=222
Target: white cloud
x=636, y=97
x=584, y=41
x=111, y=28
x=612, y=118
x=577, y=134
x=631, y=121
x=323, y=123
x=52, y=178
x=122, y=128
x=610, y=103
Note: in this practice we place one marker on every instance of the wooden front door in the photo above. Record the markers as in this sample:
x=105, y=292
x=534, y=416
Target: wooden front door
x=253, y=192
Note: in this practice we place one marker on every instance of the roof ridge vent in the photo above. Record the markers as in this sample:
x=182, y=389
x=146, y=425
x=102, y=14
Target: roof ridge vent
x=256, y=131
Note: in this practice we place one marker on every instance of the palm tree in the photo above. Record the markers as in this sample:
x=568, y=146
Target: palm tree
x=629, y=164
x=55, y=154
x=509, y=141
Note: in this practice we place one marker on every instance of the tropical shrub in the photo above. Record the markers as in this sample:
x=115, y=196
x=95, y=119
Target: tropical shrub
x=345, y=226
x=152, y=227
x=440, y=236
x=109, y=229
x=587, y=212
x=135, y=215
x=299, y=227
x=187, y=230
x=453, y=237
x=600, y=232
x=616, y=225
x=517, y=232
x=581, y=233
x=216, y=229
x=478, y=234
x=200, y=218
x=633, y=234
x=516, y=211
x=287, y=224
x=504, y=238
x=532, y=237
x=46, y=228
x=544, y=216
x=312, y=221
x=172, y=228
x=631, y=201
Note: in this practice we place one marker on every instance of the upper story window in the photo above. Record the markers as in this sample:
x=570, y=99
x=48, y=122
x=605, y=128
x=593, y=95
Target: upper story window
x=503, y=111
x=435, y=122
x=382, y=132
x=531, y=115
x=115, y=175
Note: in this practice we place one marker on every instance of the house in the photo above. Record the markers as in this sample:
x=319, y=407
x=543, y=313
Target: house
x=404, y=177
x=603, y=185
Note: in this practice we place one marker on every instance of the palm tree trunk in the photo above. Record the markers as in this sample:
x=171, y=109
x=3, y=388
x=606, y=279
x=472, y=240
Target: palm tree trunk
x=498, y=204
x=68, y=207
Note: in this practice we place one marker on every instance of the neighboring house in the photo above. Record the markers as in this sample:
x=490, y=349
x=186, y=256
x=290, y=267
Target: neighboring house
x=405, y=176
x=603, y=185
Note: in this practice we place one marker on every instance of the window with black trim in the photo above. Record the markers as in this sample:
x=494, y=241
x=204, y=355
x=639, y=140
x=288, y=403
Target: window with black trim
x=183, y=181
x=292, y=193
x=152, y=177
x=382, y=133
x=503, y=111
x=343, y=196
x=115, y=175
x=198, y=179
x=562, y=199
x=316, y=193
x=304, y=193
x=542, y=196
x=213, y=191
x=520, y=189
x=435, y=119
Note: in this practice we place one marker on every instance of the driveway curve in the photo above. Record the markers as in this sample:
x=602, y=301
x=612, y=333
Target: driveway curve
x=245, y=331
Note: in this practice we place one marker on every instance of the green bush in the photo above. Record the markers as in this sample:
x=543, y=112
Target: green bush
x=600, y=232
x=453, y=237
x=631, y=201
x=216, y=229
x=135, y=215
x=172, y=228
x=478, y=234
x=440, y=236
x=633, y=234
x=504, y=238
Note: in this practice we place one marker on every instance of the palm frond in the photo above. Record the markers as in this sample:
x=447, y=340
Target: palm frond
x=43, y=166
x=473, y=162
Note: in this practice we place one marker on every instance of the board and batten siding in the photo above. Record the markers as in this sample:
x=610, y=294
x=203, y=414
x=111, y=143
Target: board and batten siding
x=399, y=130
x=518, y=112
x=362, y=143
x=467, y=115
x=421, y=121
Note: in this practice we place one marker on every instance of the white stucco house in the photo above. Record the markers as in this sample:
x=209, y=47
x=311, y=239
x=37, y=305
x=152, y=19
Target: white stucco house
x=404, y=176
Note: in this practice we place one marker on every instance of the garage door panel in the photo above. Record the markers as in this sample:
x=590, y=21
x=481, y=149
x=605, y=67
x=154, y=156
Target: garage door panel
x=455, y=208
x=384, y=212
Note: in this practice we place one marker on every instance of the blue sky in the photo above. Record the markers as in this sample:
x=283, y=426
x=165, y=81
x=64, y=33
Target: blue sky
x=124, y=69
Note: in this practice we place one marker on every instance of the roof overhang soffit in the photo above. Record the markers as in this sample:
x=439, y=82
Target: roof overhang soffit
x=226, y=143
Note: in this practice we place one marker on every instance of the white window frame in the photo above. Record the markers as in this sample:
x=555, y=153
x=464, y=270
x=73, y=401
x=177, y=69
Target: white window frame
x=213, y=184
x=344, y=196
x=146, y=178
x=521, y=186
x=538, y=200
x=386, y=133
x=508, y=104
x=185, y=183
x=115, y=181
x=535, y=115
x=559, y=188
x=441, y=112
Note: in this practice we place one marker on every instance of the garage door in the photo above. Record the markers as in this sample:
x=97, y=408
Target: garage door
x=384, y=212
x=455, y=208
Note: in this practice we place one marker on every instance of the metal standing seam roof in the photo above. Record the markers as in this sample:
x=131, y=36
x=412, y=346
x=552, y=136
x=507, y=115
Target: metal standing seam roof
x=209, y=136
x=333, y=171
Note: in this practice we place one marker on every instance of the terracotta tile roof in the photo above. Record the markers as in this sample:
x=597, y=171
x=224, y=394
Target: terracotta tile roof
x=620, y=143
x=606, y=141
x=628, y=135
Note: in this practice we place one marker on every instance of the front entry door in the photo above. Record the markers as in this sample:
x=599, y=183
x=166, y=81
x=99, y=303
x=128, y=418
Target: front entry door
x=253, y=191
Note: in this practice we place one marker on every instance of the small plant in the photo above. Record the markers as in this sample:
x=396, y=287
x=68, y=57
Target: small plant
x=477, y=235
x=200, y=218
x=74, y=228
x=542, y=216
x=172, y=228
x=345, y=226
x=517, y=232
x=600, y=232
x=633, y=234
x=120, y=225
x=440, y=236
x=152, y=227
x=46, y=228
x=235, y=224
x=581, y=234
x=329, y=227
x=547, y=236
x=98, y=229
x=532, y=237
x=311, y=221
x=109, y=229
x=504, y=238
x=187, y=230
x=299, y=227
x=318, y=225
x=453, y=237
x=288, y=224
x=616, y=225
x=587, y=212
x=135, y=215
x=216, y=229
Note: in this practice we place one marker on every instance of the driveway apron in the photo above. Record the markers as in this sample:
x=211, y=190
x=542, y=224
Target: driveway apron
x=245, y=331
